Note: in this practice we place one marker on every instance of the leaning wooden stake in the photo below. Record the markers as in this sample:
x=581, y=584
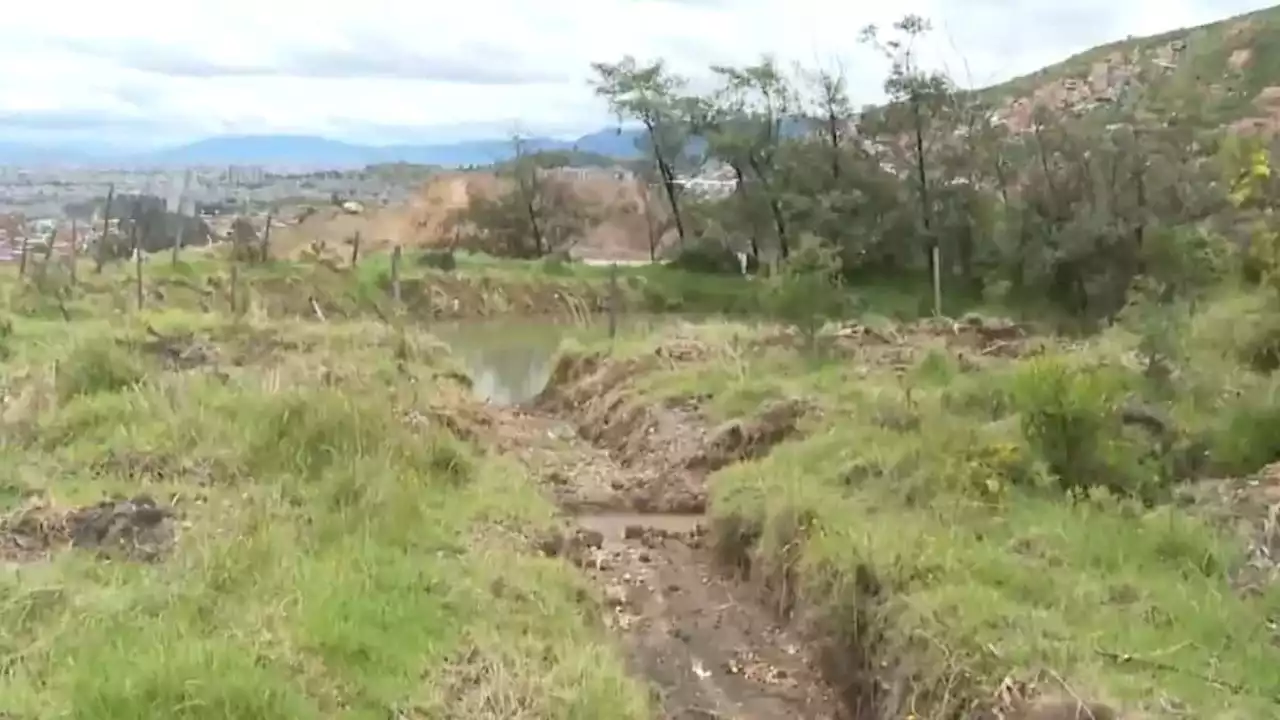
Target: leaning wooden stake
x=355, y=249
x=235, y=283
x=75, y=250
x=613, y=300
x=100, y=258
x=22, y=260
x=137, y=261
x=48, y=247
x=264, y=253
x=395, y=274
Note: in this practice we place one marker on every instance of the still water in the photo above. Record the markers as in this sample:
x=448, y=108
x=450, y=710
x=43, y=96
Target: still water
x=510, y=360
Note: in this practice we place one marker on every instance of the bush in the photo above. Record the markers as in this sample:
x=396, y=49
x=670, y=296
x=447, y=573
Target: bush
x=439, y=259
x=808, y=291
x=98, y=366
x=709, y=257
x=1072, y=418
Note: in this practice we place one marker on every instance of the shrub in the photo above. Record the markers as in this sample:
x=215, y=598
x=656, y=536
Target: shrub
x=1072, y=418
x=98, y=366
x=807, y=292
x=709, y=257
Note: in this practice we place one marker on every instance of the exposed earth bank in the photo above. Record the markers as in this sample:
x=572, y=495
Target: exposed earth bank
x=631, y=482
x=714, y=637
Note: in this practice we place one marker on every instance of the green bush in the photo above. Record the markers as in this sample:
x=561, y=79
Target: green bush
x=1245, y=435
x=808, y=291
x=98, y=366
x=1072, y=418
x=708, y=257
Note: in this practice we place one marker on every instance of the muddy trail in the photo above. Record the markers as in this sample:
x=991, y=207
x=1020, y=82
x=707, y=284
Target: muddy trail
x=632, y=487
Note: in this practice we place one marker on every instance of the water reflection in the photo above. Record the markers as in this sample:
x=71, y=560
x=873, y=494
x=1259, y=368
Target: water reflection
x=510, y=360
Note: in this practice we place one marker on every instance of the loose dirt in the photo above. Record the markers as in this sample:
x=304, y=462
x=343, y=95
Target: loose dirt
x=424, y=221
x=634, y=502
x=137, y=529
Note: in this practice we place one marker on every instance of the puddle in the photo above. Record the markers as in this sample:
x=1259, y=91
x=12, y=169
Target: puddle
x=613, y=525
x=510, y=360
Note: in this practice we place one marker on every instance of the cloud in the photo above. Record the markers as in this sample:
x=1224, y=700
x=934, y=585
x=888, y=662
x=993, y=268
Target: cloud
x=473, y=62
x=141, y=71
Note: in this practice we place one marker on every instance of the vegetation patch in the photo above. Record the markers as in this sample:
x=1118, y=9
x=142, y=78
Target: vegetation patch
x=331, y=546
x=963, y=538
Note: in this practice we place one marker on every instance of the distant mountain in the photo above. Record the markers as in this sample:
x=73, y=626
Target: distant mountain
x=316, y=152
x=303, y=150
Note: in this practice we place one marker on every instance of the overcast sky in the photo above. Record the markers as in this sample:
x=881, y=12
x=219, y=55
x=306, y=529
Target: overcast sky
x=138, y=72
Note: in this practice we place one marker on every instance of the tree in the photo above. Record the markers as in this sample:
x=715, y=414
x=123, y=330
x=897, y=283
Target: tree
x=651, y=94
x=533, y=214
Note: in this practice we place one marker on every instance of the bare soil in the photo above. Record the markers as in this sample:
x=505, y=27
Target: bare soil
x=423, y=222
x=137, y=529
x=632, y=484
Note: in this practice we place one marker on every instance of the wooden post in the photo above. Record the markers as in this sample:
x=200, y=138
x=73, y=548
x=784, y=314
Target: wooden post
x=48, y=248
x=177, y=238
x=135, y=243
x=22, y=260
x=182, y=218
x=235, y=283
x=101, y=255
x=265, y=252
x=613, y=301
x=937, y=281
x=395, y=274
x=75, y=250
x=355, y=249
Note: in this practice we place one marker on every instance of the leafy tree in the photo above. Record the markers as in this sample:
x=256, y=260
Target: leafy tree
x=533, y=215
x=652, y=95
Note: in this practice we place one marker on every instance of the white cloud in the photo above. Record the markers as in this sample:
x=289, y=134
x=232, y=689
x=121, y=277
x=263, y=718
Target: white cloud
x=216, y=66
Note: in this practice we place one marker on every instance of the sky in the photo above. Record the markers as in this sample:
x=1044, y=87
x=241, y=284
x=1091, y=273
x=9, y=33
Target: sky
x=139, y=73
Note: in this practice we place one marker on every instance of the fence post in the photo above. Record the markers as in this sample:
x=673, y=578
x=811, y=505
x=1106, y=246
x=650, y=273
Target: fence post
x=395, y=274
x=101, y=256
x=235, y=283
x=265, y=252
x=75, y=250
x=355, y=249
x=22, y=259
x=48, y=248
x=137, y=259
x=613, y=301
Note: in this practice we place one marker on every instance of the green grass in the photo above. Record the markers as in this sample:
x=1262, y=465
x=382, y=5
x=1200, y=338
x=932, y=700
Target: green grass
x=479, y=287
x=929, y=478
x=335, y=558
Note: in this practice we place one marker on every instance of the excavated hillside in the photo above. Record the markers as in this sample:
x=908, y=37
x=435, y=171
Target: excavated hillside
x=1227, y=73
x=424, y=221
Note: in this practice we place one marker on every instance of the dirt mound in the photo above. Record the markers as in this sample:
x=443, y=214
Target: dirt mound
x=334, y=228
x=137, y=529
x=1249, y=507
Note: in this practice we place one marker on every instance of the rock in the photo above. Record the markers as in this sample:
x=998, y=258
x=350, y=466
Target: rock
x=615, y=595
x=593, y=539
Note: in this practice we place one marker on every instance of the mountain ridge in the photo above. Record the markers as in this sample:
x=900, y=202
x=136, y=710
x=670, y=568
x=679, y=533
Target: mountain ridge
x=314, y=151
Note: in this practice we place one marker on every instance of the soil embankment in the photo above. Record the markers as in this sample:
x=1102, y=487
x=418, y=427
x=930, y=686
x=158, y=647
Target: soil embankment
x=631, y=482
x=424, y=221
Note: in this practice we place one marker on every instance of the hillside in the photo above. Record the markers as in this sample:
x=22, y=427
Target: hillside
x=423, y=222
x=1225, y=73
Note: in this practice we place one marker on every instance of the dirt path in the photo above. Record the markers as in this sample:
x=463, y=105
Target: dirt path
x=635, y=526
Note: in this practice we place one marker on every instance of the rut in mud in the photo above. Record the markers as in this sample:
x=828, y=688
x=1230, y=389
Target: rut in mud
x=636, y=527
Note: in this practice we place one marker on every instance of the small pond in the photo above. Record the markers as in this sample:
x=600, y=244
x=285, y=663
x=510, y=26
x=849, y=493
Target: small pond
x=510, y=360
